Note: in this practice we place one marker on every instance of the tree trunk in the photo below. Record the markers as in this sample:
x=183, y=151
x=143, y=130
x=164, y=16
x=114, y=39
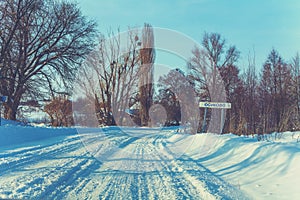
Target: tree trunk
x=12, y=105
x=10, y=112
x=147, y=54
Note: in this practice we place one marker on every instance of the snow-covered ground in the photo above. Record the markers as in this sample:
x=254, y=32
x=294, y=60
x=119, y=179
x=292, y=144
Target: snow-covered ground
x=144, y=163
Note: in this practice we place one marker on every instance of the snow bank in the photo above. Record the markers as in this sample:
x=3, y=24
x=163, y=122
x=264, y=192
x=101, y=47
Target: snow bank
x=5, y=122
x=14, y=133
x=264, y=170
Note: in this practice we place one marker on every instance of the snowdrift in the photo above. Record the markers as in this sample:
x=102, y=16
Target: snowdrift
x=16, y=133
x=264, y=170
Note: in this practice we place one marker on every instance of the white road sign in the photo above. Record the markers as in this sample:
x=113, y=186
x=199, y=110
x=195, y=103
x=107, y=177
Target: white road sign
x=223, y=105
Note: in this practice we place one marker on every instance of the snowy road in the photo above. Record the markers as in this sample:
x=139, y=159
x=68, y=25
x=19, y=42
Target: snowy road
x=108, y=165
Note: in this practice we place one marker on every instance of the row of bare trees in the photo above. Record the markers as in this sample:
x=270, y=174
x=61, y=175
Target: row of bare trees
x=278, y=93
x=262, y=102
x=117, y=80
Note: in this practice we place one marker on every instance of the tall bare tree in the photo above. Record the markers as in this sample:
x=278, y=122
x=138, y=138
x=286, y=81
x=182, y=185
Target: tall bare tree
x=147, y=55
x=42, y=45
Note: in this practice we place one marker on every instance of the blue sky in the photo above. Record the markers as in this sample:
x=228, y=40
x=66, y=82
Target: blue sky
x=256, y=24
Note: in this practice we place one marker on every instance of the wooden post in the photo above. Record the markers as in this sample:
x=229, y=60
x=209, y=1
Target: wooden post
x=222, y=121
x=204, y=121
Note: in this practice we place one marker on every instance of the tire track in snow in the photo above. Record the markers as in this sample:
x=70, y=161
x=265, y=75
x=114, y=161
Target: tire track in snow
x=64, y=161
x=43, y=188
x=24, y=159
x=119, y=187
x=161, y=182
x=124, y=184
x=110, y=189
x=78, y=175
x=68, y=180
x=180, y=181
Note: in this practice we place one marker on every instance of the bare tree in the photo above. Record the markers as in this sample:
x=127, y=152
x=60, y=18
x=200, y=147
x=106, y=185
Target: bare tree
x=251, y=107
x=274, y=90
x=147, y=54
x=235, y=91
x=204, y=71
x=215, y=47
x=42, y=45
x=109, y=76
